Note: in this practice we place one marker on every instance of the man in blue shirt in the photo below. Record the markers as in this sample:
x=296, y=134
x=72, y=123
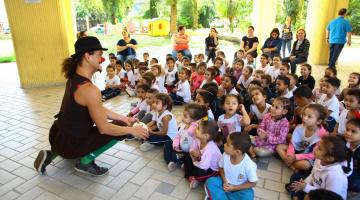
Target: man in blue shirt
x=336, y=33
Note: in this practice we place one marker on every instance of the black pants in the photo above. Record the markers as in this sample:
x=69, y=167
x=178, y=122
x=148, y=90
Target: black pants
x=110, y=93
x=170, y=155
x=335, y=50
x=178, y=100
x=192, y=171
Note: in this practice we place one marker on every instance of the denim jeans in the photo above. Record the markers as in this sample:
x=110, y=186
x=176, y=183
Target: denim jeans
x=178, y=100
x=110, y=93
x=214, y=187
x=335, y=50
x=125, y=58
x=186, y=53
x=293, y=63
x=286, y=44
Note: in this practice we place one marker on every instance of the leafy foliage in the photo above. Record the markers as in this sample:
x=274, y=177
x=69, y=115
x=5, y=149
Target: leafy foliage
x=207, y=14
x=186, y=18
x=354, y=16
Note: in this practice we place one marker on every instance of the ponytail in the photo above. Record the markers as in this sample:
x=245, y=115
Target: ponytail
x=69, y=66
x=196, y=111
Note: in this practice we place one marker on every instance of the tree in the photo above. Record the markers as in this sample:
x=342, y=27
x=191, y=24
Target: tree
x=116, y=8
x=354, y=16
x=195, y=14
x=153, y=11
x=207, y=14
x=186, y=15
x=173, y=16
x=296, y=10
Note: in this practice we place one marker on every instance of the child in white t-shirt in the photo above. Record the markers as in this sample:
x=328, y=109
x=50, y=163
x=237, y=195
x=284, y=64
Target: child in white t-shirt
x=112, y=84
x=237, y=171
x=330, y=101
x=182, y=93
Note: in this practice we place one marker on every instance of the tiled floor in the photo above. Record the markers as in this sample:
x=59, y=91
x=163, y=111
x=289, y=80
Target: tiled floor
x=25, y=118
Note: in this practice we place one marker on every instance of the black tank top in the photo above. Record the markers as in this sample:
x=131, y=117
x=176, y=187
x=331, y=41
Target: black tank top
x=74, y=119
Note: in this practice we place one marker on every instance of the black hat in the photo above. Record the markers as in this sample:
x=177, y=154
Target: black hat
x=87, y=44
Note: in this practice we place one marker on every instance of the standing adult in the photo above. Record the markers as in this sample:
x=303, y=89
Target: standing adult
x=181, y=43
x=211, y=43
x=272, y=45
x=287, y=36
x=300, y=50
x=249, y=43
x=73, y=134
x=336, y=33
x=126, y=47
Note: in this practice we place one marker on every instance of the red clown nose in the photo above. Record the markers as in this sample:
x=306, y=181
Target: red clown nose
x=102, y=59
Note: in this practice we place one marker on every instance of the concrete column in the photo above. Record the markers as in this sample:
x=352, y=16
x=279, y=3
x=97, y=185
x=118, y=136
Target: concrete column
x=263, y=19
x=43, y=34
x=319, y=14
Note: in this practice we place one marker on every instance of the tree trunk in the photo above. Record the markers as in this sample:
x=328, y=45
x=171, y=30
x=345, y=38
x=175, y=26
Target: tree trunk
x=195, y=14
x=173, y=16
x=153, y=10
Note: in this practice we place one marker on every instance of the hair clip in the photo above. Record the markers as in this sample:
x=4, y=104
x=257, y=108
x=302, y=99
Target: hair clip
x=357, y=115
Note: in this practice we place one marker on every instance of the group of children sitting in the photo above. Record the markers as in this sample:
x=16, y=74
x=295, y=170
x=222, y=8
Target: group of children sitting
x=234, y=114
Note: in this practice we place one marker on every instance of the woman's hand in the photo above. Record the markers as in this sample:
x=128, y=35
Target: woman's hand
x=292, y=58
x=139, y=132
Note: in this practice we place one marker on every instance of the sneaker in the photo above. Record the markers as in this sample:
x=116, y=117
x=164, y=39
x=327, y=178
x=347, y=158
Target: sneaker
x=172, y=166
x=206, y=194
x=146, y=146
x=43, y=159
x=130, y=92
x=91, y=169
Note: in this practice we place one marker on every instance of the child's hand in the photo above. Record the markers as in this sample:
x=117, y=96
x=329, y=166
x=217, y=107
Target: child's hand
x=176, y=148
x=242, y=108
x=247, y=129
x=262, y=134
x=298, y=185
x=228, y=187
x=195, y=154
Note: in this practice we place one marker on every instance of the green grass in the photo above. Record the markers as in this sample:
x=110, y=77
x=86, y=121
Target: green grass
x=6, y=59
x=110, y=41
x=5, y=36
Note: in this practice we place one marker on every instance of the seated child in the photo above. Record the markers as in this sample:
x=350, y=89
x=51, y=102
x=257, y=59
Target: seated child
x=274, y=70
x=148, y=78
x=198, y=77
x=181, y=93
x=239, y=54
x=250, y=61
x=264, y=63
x=231, y=121
x=237, y=68
x=266, y=82
x=171, y=74
x=353, y=81
x=150, y=96
x=352, y=136
x=328, y=172
x=245, y=78
x=203, y=160
x=282, y=85
x=306, y=78
x=215, y=107
x=318, y=92
x=258, y=109
x=222, y=55
x=159, y=77
x=201, y=58
x=209, y=77
x=141, y=107
x=237, y=172
x=174, y=151
x=322, y=194
x=302, y=98
x=273, y=128
x=146, y=58
x=293, y=82
x=257, y=74
x=128, y=83
x=112, y=84
x=352, y=104
x=163, y=126
x=299, y=154
x=219, y=64
x=228, y=84
x=153, y=61
x=206, y=98
x=329, y=101
x=284, y=69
